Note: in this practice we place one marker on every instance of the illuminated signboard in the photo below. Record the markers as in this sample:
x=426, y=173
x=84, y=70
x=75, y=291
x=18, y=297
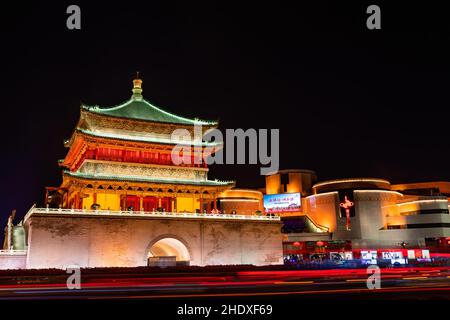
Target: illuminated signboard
x=369, y=257
x=396, y=257
x=411, y=254
x=426, y=254
x=285, y=202
x=420, y=255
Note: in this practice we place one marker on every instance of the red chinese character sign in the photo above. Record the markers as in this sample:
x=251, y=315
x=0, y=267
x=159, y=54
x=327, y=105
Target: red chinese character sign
x=347, y=205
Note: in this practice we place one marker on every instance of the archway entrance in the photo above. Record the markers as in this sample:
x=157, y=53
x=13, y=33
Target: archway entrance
x=168, y=252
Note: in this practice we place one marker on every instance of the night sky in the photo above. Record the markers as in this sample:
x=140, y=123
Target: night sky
x=348, y=101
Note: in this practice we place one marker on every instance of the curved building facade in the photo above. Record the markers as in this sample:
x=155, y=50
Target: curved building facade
x=241, y=201
x=353, y=208
x=370, y=216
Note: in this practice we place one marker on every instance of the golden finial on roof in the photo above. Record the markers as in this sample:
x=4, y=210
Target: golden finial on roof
x=137, y=87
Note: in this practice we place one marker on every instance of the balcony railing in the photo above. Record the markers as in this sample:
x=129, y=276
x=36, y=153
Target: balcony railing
x=13, y=252
x=147, y=214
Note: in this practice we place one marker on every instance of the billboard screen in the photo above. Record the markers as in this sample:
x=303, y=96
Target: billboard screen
x=284, y=202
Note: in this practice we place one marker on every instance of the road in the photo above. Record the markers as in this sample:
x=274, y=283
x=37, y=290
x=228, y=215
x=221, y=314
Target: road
x=405, y=283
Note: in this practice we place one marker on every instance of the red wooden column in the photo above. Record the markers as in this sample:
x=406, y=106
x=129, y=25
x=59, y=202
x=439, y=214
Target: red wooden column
x=123, y=202
x=77, y=200
x=80, y=201
x=66, y=199
x=214, y=201
x=174, y=206
x=201, y=202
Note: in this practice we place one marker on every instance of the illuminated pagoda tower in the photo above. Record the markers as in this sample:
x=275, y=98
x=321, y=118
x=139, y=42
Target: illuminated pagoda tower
x=119, y=158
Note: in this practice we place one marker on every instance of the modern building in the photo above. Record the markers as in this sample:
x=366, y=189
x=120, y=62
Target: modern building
x=241, y=201
x=359, y=217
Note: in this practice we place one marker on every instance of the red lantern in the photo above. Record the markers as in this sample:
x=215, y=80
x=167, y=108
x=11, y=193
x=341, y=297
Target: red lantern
x=296, y=244
x=319, y=243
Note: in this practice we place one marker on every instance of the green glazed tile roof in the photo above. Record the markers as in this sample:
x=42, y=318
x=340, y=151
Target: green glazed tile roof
x=141, y=109
x=146, y=179
x=147, y=138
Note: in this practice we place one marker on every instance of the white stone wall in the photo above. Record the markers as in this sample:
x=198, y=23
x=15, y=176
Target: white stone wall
x=372, y=207
x=12, y=261
x=56, y=241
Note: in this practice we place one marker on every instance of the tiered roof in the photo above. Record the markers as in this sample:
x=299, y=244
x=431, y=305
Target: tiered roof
x=137, y=108
x=138, y=122
x=146, y=179
x=144, y=110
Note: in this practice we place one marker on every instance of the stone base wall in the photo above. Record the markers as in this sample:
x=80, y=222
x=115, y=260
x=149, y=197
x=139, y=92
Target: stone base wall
x=61, y=241
x=12, y=261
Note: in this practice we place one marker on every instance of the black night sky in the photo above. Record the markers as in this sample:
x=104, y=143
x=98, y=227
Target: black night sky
x=348, y=101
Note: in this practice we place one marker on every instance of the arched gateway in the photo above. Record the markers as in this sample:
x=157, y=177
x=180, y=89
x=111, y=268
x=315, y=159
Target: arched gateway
x=168, y=250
